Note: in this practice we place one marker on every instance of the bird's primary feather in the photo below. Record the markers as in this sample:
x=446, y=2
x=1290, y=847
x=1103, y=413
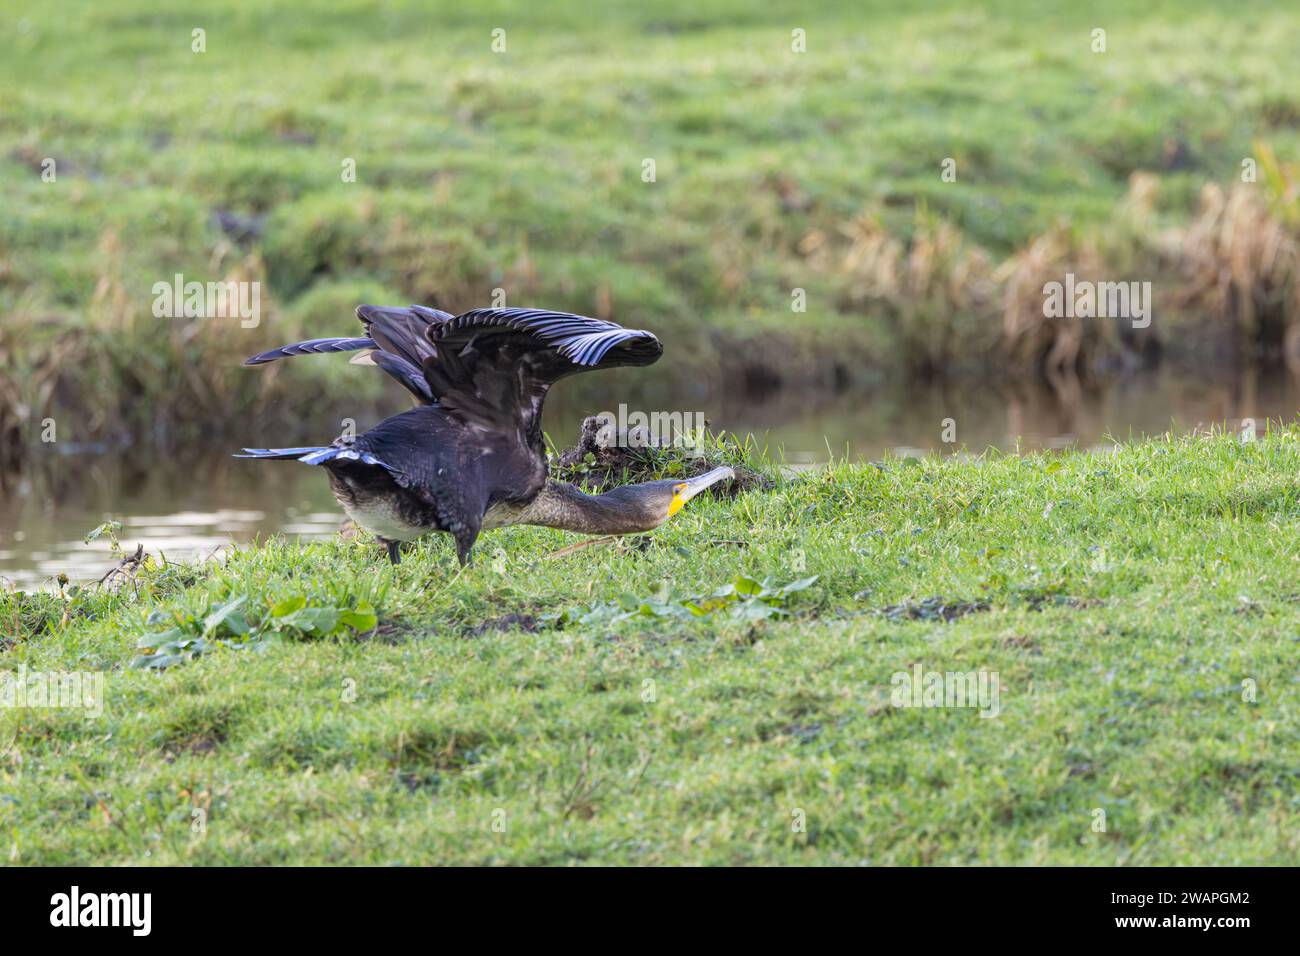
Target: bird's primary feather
x=310, y=347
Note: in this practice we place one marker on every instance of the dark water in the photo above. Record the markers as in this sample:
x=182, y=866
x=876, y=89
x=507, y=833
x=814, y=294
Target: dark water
x=193, y=502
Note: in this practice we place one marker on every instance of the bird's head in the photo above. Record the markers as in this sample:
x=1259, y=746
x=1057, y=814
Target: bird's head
x=654, y=502
x=681, y=492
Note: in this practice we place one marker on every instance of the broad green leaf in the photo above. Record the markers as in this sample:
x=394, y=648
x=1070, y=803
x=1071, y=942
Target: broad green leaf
x=237, y=624
x=313, y=620
x=217, y=617
x=161, y=639
x=755, y=611
x=361, y=618
x=800, y=585
x=108, y=527
x=288, y=606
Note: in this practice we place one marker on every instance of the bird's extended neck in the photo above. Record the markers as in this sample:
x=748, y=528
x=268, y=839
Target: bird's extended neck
x=559, y=505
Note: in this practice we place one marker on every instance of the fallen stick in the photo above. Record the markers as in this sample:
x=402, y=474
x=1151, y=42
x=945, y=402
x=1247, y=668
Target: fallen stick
x=590, y=542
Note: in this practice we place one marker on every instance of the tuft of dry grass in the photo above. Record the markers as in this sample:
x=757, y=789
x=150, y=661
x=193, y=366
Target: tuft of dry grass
x=1240, y=263
x=1053, y=347
x=167, y=372
x=1236, y=264
x=935, y=290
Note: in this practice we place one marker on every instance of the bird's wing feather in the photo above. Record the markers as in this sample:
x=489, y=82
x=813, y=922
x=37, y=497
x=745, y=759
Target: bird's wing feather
x=396, y=337
x=409, y=375
x=402, y=332
x=584, y=342
x=310, y=347
x=493, y=367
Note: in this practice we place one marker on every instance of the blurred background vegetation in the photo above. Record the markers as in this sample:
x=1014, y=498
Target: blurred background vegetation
x=776, y=170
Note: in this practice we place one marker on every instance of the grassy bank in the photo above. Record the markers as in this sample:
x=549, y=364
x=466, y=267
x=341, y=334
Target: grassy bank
x=522, y=170
x=647, y=703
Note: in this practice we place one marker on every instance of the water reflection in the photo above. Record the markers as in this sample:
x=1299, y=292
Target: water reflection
x=180, y=507
x=191, y=505
x=1003, y=415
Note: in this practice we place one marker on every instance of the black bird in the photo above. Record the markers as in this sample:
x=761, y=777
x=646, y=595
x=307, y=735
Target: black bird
x=470, y=455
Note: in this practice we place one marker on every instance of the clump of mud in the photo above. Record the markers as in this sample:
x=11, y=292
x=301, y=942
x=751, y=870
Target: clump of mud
x=932, y=609
x=506, y=622
x=597, y=466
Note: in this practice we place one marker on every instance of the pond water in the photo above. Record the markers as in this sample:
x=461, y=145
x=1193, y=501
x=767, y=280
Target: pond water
x=193, y=502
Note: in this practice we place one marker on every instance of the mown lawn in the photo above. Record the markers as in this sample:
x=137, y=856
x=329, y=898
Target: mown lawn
x=1140, y=609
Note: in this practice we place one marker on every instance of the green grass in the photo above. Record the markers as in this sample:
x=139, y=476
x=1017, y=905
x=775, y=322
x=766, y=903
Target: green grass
x=1122, y=599
x=522, y=170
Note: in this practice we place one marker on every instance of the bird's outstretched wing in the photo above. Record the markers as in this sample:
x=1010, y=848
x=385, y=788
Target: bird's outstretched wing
x=490, y=367
x=395, y=340
x=493, y=367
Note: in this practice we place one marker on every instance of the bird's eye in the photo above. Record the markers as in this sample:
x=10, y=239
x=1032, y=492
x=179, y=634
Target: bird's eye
x=678, y=489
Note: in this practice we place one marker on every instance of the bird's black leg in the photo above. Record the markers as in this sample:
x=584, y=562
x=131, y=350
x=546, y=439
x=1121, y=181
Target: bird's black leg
x=465, y=544
x=394, y=550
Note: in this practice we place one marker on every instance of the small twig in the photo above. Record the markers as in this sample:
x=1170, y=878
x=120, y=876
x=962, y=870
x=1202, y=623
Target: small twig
x=126, y=565
x=581, y=793
x=590, y=542
x=641, y=773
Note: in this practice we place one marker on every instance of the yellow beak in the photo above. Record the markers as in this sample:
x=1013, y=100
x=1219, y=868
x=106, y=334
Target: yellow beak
x=686, y=490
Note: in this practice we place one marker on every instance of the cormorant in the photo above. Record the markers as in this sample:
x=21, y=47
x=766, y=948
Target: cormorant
x=469, y=455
